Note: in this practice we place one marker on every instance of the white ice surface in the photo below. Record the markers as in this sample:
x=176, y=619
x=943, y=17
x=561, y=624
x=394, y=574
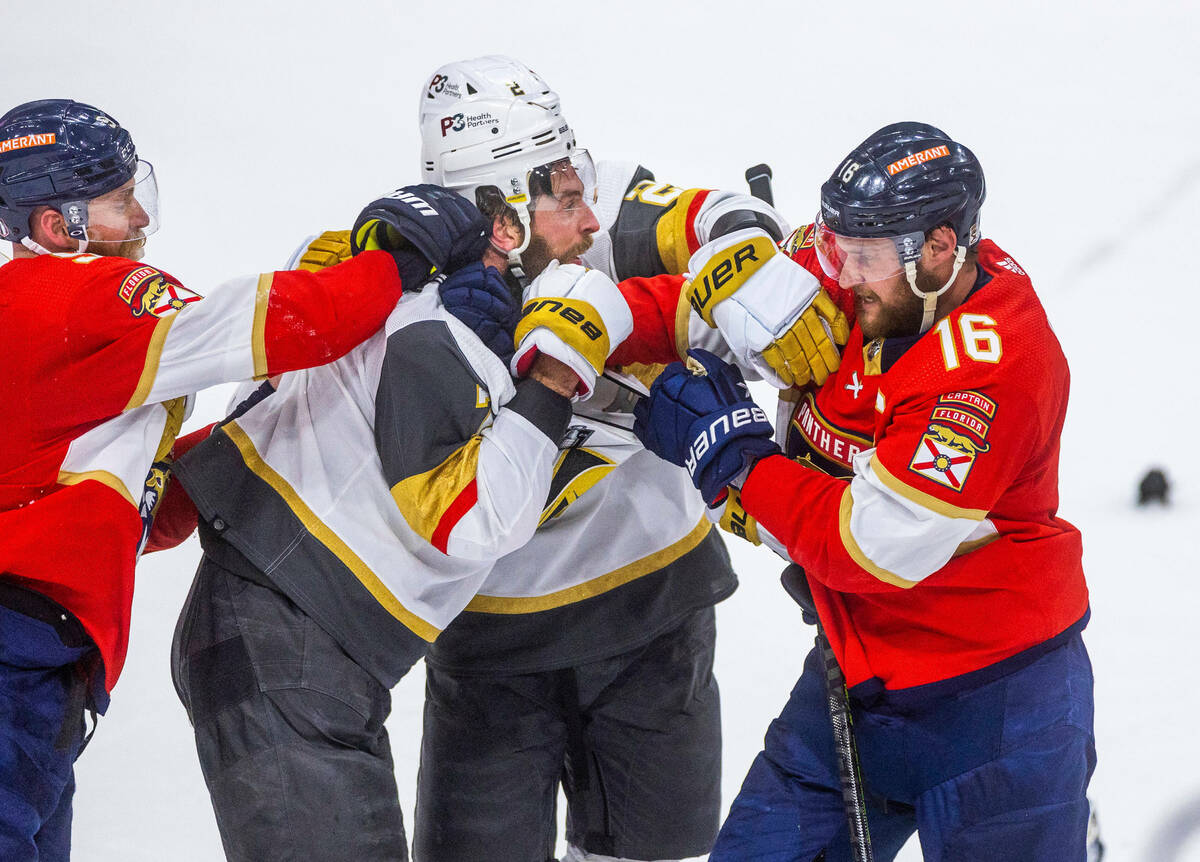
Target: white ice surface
x=269, y=121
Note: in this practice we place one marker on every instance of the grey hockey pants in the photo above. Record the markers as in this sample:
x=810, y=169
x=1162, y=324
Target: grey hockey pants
x=635, y=740
x=289, y=729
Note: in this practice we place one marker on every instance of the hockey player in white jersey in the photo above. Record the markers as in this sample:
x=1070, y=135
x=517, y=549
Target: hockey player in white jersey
x=347, y=517
x=587, y=656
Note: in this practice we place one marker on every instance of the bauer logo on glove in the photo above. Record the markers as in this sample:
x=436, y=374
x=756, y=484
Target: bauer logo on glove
x=725, y=272
x=771, y=312
x=701, y=418
x=574, y=315
x=720, y=429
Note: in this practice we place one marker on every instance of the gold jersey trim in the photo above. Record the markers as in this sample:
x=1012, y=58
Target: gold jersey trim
x=153, y=356
x=975, y=544
x=102, y=476
x=856, y=553
x=596, y=586
x=683, y=317
x=258, y=334
x=425, y=499
x=926, y=501
x=327, y=537
x=671, y=233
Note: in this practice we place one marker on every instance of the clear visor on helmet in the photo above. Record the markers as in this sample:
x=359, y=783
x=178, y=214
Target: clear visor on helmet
x=564, y=186
x=861, y=260
x=126, y=213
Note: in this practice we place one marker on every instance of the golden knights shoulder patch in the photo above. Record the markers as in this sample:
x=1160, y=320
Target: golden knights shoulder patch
x=957, y=434
x=148, y=291
x=577, y=470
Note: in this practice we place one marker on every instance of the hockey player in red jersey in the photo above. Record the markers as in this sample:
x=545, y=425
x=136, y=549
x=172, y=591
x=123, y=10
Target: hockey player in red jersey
x=100, y=356
x=918, y=489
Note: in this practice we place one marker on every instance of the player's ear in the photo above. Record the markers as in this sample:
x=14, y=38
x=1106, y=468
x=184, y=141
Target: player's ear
x=506, y=232
x=48, y=228
x=940, y=246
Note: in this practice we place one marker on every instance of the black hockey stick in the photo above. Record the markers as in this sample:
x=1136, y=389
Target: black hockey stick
x=795, y=582
x=759, y=180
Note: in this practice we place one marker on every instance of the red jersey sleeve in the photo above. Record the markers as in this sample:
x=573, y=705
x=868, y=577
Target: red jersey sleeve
x=660, y=320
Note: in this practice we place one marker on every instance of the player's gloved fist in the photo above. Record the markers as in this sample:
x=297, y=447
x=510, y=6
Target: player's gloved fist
x=808, y=350
x=575, y=315
x=771, y=312
x=701, y=417
x=426, y=228
x=478, y=296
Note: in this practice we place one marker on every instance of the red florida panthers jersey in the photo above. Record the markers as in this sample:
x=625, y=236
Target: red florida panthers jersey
x=97, y=355
x=944, y=552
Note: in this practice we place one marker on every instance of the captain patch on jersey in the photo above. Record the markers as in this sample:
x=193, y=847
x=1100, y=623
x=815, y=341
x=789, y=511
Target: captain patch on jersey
x=958, y=429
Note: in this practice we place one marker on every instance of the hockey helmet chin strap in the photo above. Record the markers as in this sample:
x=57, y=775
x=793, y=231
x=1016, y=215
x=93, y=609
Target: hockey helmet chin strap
x=930, y=298
x=515, y=266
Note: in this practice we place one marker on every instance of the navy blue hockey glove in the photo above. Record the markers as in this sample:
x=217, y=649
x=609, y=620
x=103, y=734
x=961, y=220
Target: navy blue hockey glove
x=701, y=417
x=478, y=296
x=426, y=228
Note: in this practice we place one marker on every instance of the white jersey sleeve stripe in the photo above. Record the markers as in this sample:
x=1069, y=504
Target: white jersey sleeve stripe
x=893, y=534
x=920, y=498
x=150, y=368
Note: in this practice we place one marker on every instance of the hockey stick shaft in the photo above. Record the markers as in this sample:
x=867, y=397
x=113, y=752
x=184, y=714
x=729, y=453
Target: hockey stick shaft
x=849, y=772
x=837, y=701
x=759, y=180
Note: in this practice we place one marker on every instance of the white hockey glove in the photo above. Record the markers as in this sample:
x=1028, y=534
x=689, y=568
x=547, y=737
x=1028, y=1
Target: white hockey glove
x=773, y=314
x=575, y=315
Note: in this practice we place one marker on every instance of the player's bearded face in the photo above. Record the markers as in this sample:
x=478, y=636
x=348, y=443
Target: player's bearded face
x=561, y=220
x=889, y=309
x=540, y=252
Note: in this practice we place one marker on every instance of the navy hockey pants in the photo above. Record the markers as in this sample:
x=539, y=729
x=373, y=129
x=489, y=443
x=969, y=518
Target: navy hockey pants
x=995, y=772
x=43, y=695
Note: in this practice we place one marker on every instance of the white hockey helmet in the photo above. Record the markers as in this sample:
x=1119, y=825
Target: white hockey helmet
x=492, y=121
x=493, y=76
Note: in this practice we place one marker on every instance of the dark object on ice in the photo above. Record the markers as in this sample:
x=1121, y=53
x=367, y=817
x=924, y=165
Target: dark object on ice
x=1154, y=488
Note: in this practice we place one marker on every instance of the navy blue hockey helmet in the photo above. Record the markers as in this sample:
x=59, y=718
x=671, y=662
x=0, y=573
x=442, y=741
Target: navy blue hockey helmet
x=898, y=185
x=59, y=153
x=905, y=178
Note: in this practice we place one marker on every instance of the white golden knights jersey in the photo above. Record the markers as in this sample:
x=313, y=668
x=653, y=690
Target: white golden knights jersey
x=377, y=491
x=624, y=549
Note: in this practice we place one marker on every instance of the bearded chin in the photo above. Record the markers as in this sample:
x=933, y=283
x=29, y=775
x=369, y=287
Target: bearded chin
x=133, y=249
x=537, y=254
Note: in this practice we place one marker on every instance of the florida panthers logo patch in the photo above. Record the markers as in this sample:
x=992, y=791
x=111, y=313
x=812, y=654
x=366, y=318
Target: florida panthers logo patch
x=147, y=291
x=957, y=435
